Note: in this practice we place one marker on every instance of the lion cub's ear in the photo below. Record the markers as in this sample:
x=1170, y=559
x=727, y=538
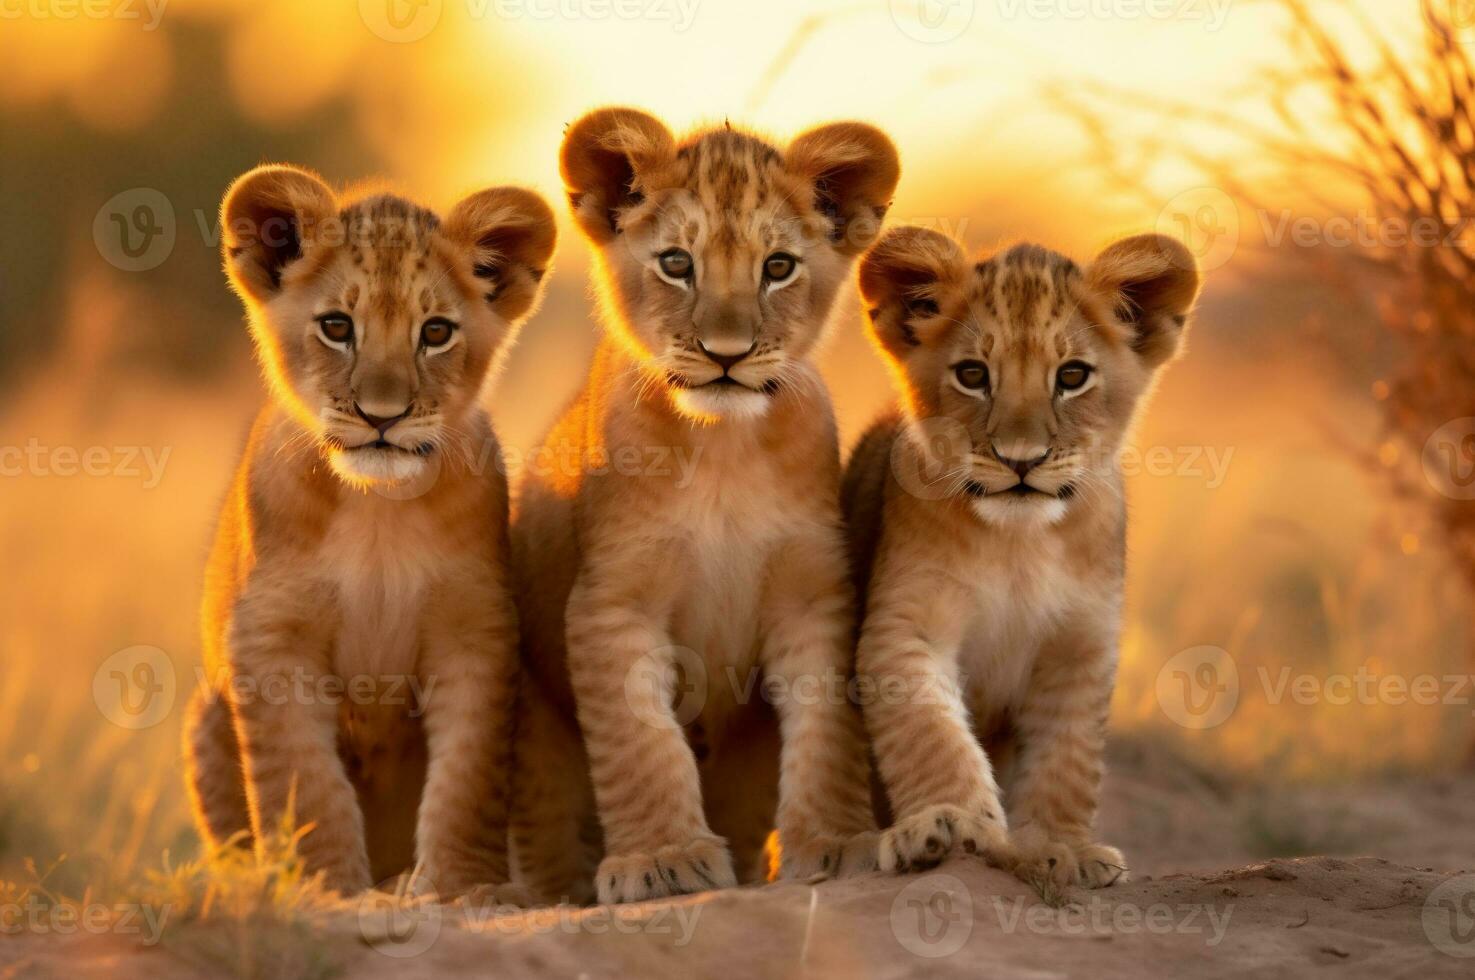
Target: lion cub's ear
x=268, y=219
x=853, y=168
x=510, y=233
x=1153, y=282
x=609, y=159
x=906, y=281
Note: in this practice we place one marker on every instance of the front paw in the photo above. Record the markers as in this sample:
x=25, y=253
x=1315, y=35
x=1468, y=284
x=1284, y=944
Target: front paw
x=821, y=858
x=682, y=869
x=923, y=839
x=509, y=896
x=1057, y=865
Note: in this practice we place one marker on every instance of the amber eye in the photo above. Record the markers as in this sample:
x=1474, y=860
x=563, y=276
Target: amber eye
x=677, y=263
x=336, y=328
x=972, y=375
x=1073, y=375
x=779, y=266
x=436, y=332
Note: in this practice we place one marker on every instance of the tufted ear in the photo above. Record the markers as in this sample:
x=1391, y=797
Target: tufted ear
x=1153, y=282
x=905, y=281
x=608, y=160
x=510, y=233
x=853, y=169
x=268, y=217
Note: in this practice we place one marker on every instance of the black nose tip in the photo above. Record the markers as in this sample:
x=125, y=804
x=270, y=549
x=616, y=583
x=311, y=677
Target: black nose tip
x=725, y=361
x=1021, y=467
x=381, y=423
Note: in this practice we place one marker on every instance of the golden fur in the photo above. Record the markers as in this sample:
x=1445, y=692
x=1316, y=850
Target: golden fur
x=636, y=584
x=987, y=529
x=359, y=630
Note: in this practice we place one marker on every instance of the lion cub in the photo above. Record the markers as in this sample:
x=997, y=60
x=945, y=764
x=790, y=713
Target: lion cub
x=359, y=630
x=988, y=525
x=686, y=537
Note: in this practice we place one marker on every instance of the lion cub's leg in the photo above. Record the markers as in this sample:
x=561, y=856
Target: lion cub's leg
x=552, y=802
x=937, y=776
x=1061, y=733
x=278, y=646
x=213, y=760
x=825, y=821
x=645, y=777
x=470, y=656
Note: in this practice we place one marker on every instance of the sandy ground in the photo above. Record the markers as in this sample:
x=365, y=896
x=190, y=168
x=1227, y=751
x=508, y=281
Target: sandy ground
x=1200, y=904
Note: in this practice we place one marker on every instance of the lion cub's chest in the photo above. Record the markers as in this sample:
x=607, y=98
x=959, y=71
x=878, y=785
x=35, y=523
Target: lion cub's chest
x=1018, y=596
x=728, y=531
x=381, y=558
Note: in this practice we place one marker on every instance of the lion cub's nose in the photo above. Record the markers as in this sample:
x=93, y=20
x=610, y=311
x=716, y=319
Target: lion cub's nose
x=726, y=357
x=1020, y=459
x=381, y=423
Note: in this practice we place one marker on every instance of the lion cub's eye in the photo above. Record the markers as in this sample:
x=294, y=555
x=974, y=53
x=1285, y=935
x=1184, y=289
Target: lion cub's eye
x=336, y=328
x=1073, y=375
x=436, y=332
x=677, y=263
x=779, y=266
x=972, y=375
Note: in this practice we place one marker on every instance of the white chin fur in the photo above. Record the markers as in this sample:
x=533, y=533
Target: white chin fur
x=362, y=466
x=726, y=402
x=1006, y=510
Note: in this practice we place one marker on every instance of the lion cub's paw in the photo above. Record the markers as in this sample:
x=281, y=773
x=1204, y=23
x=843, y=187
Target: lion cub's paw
x=509, y=896
x=702, y=865
x=821, y=858
x=1061, y=865
x=922, y=840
